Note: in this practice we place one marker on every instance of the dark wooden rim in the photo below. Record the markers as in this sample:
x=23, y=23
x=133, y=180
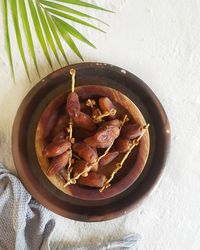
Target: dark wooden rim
x=126, y=201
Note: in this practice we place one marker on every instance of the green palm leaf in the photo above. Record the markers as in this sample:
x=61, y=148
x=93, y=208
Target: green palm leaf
x=65, y=35
x=74, y=32
x=6, y=34
x=49, y=19
x=69, y=10
x=84, y=4
x=14, y=11
x=47, y=32
x=27, y=31
x=75, y=19
x=56, y=37
x=39, y=32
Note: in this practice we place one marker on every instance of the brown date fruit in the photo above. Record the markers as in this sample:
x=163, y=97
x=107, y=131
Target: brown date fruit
x=57, y=163
x=85, y=152
x=108, y=158
x=114, y=122
x=60, y=136
x=106, y=105
x=80, y=166
x=50, y=123
x=131, y=131
x=83, y=106
x=85, y=109
x=61, y=123
x=96, y=112
x=73, y=105
x=104, y=137
x=84, y=121
x=122, y=145
x=93, y=180
x=81, y=133
x=56, y=148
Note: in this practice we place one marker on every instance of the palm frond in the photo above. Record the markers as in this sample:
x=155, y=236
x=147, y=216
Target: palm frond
x=74, y=32
x=39, y=32
x=47, y=32
x=14, y=11
x=84, y=4
x=65, y=35
x=27, y=31
x=50, y=21
x=72, y=18
x=56, y=37
x=6, y=34
x=67, y=9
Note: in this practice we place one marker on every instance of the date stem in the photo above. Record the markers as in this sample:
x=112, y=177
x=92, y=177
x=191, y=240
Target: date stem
x=70, y=129
x=119, y=165
x=73, y=180
x=73, y=73
x=90, y=103
x=98, y=119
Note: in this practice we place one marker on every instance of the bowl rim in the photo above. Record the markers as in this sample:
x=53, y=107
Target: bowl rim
x=129, y=202
x=137, y=167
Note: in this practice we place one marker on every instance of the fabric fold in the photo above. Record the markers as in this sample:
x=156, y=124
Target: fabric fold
x=24, y=224
x=27, y=225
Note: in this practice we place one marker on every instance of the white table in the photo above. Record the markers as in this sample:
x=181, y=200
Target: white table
x=159, y=41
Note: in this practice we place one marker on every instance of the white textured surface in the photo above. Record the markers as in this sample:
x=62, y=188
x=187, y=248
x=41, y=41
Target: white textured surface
x=160, y=42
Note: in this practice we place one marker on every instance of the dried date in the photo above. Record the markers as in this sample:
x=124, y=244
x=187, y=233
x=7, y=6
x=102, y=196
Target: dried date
x=50, y=123
x=96, y=112
x=122, y=145
x=56, y=148
x=93, y=180
x=57, y=163
x=73, y=105
x=104, y=137
x=85, y=152
x=81, y=133
x=108, y=158
x=81, y=166
x=84, y=121
x=131, y=131
x=60, y=124
x=114, y=122
x=60, y=136
x=106, y=105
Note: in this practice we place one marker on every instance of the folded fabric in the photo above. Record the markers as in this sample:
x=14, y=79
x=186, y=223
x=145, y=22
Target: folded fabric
x=24, y=224
x=128, y=242
x=27, y=225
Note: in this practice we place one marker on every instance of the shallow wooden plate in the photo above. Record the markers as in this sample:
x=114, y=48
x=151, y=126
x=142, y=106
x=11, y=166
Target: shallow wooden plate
x=23, y=139
x=132, y=167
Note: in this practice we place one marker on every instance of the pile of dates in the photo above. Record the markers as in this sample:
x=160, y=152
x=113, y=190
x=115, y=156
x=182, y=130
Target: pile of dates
x=96, y=126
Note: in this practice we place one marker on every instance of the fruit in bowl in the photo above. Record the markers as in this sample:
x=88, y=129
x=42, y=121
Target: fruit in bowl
x=92, y=142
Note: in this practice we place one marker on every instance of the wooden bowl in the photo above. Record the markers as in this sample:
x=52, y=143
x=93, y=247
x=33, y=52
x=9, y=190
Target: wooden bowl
x=133, y=166
x=24, y=131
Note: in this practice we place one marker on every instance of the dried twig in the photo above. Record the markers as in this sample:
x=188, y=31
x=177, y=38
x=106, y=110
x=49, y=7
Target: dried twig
x=73, y=180
x=98, y=119
x=90, y=103
x=70, y=129
x=119, y=165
